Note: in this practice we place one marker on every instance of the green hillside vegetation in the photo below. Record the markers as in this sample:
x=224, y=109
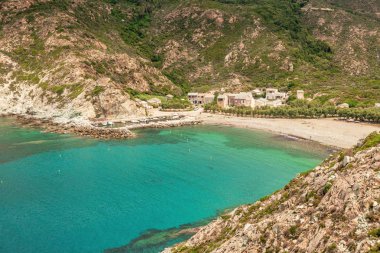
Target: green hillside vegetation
x=248, y=30
x=315, y=69
x=307, y=111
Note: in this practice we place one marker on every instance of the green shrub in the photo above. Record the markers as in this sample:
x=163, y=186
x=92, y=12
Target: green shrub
x=331, y=248
x=374, y=232
x=326, y=188
x=293, y=231
x=97, y=90
x=375, y=249
x=372, y=140
x=75, y=90
x=59, y=89
x=302, y=109
x=131, y=92
x=176, y=103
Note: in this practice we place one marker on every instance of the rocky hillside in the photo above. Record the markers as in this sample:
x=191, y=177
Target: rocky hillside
x=333, y=208
x=67, y=58
x=90, y=58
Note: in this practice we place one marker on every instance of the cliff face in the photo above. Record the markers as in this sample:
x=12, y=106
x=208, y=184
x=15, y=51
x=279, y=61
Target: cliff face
x=333, y=208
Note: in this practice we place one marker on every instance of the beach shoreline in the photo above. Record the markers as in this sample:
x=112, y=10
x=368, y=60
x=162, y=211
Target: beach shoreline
x=327, y=131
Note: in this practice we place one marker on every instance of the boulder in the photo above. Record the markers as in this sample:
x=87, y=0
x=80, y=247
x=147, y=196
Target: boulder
x=347, y=160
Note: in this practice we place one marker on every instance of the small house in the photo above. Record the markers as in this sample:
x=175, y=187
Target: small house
x=209, y=98
x=275, y=103
x=222, y=101
x=261, y=102
x=200, y=98
x=244, y=99
x=344, y=105
x=271, y=93
x=300, y=94
x=193, y=98
x=274, y=94
x=231, y=99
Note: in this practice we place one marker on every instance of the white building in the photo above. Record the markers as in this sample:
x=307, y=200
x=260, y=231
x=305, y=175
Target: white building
x=275, y=103
x=222, y=101
x=300, y=94
x=273, y=94
x=200, y=98
x=239, y=99
x=377, y=105
x=195, y=98
x=244, y=99
x=261, y=102
x=344, y=105
x=209, y=98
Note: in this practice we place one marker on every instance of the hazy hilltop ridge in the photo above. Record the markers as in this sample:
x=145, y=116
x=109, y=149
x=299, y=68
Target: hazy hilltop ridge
x=89, y=58
x=333, y=208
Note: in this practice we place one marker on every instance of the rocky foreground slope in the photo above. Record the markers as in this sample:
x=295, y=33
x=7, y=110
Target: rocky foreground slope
x=333, y=208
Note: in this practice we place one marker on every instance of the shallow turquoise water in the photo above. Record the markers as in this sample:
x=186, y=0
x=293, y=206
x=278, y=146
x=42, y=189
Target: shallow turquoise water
x=64, y=194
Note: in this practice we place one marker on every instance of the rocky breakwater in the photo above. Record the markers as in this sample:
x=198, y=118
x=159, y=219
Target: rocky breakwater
x=84, y=129
x=165, y=124
x=332, y=208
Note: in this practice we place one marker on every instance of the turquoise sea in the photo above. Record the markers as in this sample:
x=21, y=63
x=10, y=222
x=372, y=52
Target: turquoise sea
x=60, y=193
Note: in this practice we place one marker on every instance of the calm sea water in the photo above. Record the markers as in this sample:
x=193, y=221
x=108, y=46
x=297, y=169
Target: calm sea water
x=59, y=193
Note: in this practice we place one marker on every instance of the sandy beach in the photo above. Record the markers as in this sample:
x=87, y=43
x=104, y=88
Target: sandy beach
x=330, y=132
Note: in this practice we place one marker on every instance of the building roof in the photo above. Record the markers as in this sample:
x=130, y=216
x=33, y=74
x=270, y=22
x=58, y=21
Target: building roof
x=209, y=96
x=344, y=105
x=244, y=95
x=193, y=94
x=257, y=91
